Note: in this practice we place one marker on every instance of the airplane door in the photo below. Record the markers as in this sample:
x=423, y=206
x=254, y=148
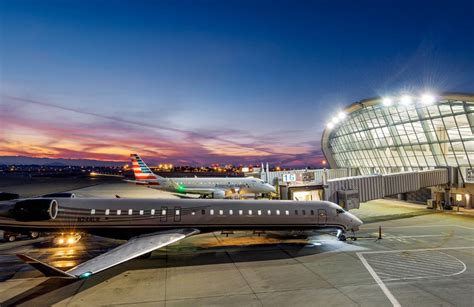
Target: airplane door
x=322, y=216
x=177, y=214
x=164, y=214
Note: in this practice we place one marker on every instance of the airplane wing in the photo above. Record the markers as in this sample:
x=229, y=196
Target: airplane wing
x=133, y=248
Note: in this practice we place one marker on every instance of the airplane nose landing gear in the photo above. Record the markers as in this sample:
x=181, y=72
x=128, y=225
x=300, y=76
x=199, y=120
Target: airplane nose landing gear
x=341, y=236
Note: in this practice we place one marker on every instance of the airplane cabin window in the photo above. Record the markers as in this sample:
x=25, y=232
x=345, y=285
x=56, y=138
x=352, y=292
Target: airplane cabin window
x=269, y=212
x=193, y=212
x=231, y=212
x=211, y=212
x=221, y=212
x=92, y=211
x=259, y=212
x=163, y=212
x=203, y=211
x=119, y=212
x=312, y=212
x=152, y=212
x=130, y=211
x=287, y=212
x=304, y=212
x=278, y=212
x=107, y=211
x=296, y=212
x=241, y=212
x=250, y=212
x=141, y=212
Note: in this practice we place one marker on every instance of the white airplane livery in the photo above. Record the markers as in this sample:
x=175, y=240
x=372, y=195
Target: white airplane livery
x=212, y=187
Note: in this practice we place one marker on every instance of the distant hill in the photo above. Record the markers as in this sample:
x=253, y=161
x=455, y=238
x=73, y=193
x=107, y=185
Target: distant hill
x=23, y=160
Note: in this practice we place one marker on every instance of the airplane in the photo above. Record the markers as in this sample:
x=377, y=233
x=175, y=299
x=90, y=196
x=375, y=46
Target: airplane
x=212, y=187
x=150, y=224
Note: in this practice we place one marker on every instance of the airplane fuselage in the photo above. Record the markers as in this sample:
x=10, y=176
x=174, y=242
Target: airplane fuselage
x=131, y=217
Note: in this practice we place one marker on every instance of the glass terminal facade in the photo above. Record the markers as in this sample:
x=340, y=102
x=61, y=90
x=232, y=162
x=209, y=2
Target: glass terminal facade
x=406, y=133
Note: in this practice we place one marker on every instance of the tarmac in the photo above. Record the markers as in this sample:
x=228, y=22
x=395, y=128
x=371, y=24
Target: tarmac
x=425, y=258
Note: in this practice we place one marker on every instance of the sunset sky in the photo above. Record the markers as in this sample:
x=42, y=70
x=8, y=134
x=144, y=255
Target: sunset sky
x=200, y=82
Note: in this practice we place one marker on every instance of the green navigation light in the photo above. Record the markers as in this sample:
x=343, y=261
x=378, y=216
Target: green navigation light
x=181, y=188
x=85, y=275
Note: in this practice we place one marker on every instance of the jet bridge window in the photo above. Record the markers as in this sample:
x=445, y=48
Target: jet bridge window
x=92, y=211
x=107, y=211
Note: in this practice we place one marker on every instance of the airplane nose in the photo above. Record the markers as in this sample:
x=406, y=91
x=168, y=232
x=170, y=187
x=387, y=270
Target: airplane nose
x=355, y=222
x=270, y=188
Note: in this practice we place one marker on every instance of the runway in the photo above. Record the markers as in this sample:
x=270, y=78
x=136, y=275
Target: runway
x=424, y=259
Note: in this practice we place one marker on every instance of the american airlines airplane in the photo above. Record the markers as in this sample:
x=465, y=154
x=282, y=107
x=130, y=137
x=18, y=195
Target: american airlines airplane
x=213, y=187
x=150, y=224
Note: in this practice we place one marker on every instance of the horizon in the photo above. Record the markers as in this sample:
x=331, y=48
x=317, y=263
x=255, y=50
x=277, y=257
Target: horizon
x=206, y=82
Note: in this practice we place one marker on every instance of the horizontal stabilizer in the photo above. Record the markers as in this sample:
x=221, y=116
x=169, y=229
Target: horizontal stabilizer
x=46, y=269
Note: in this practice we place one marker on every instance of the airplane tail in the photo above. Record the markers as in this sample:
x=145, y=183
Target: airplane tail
x=141, y=171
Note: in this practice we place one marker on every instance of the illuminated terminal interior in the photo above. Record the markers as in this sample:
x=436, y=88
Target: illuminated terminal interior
x=406, y=133
x=403, y=133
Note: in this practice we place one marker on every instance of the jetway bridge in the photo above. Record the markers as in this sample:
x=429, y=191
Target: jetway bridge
x=340, y=186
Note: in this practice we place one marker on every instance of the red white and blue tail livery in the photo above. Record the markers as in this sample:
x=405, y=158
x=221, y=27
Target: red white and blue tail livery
x=141, y=171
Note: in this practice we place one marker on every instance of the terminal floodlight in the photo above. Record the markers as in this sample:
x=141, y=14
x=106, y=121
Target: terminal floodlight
x=341, y=115
x=387, y=101
x=406, y=100
x=335, y=120
x=330, y=125
x=427, y=99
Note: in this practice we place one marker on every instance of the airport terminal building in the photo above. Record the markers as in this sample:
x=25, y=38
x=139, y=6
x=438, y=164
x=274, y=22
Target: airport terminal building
x=406, y=134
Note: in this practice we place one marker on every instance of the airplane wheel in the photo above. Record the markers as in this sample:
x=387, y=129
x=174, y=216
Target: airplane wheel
x=342, y=237
x=11, y=238
x=34, y=234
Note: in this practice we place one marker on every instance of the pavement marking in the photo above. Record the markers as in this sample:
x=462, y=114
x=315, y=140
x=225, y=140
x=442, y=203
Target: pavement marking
x=379, y=280
x=420, y=226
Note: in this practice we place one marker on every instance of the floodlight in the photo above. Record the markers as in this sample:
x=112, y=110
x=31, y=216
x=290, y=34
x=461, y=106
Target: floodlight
x=427, y=99
x=341, y=115
x=330, y=125
x=406, y=100
x=387, y=101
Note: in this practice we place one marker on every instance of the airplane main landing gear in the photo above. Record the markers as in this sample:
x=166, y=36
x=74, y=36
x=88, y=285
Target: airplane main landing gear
x=341, y=236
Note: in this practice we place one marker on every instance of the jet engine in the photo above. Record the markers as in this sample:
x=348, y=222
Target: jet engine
x=218, y=194
x=30, y=210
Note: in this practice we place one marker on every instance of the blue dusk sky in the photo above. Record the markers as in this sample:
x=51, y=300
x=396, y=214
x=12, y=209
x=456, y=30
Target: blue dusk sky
x=200, y=82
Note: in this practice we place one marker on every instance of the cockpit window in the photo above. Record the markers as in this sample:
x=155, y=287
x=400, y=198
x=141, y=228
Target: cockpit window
x=339, y=211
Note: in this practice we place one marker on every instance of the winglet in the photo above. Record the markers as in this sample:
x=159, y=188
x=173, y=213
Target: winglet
x=46, y=269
